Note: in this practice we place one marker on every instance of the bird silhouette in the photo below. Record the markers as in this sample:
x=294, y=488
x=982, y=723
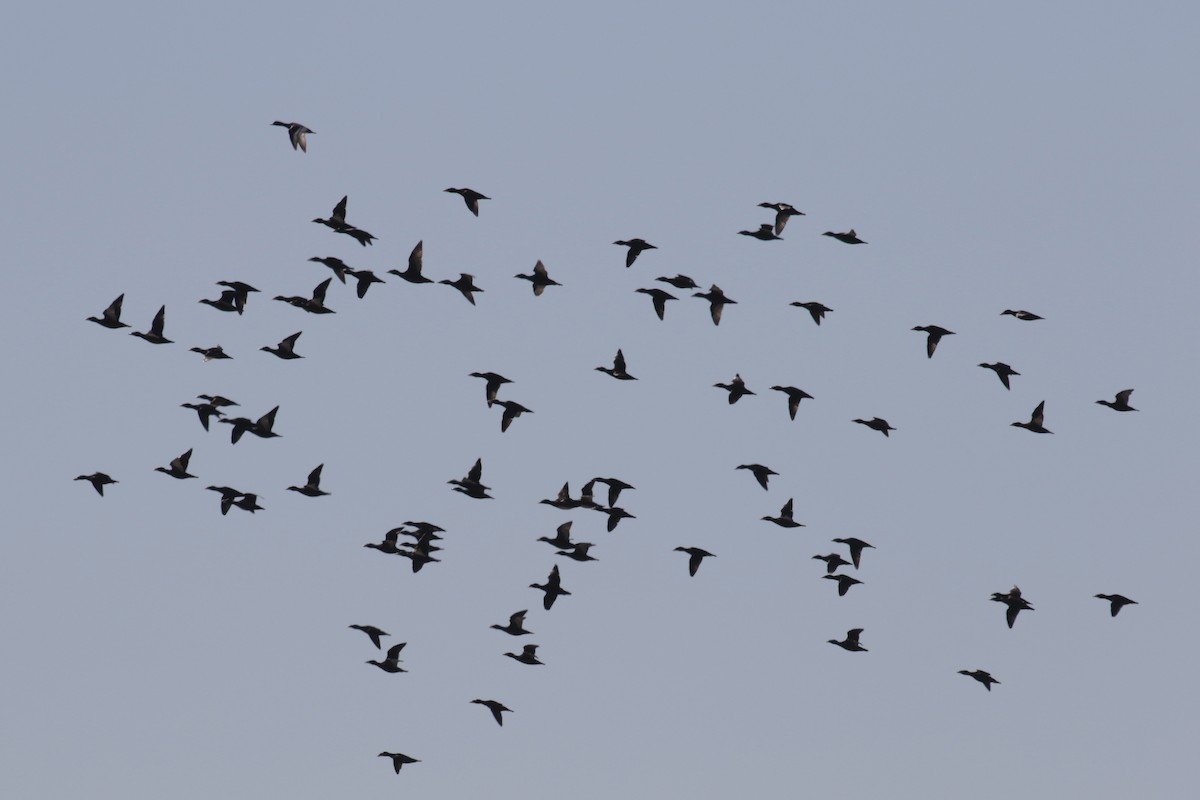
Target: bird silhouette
x=228, y=496
x=373, y=632
x=761, y=474
x=636, y=247
x=286, y=349
x=1003, y=372
x=1118, y=601
x=851, y=642
x=364, y=278
x=1035, y=420
x=516, y=624
x=1121, y=403
x=155, y=334
x=340, y=268
x=512, y=410
x=263, y=427
x=935, y=332
x=297, y=134
x=680, y=282
x=552, y=588
x=178, y=468
x=228, y=302
x=111, y=317
x=528, y=655
x=794, y=396
x=783, y=212
x=849, y=237
x=856, y=548
x=496, y=708
x=617, y=370
x=412, y=273
x=1016, y=604
x=832, y=562
x=470, y=484
x=815, y=309
x=980, y=675
x=211, y=353
x=736, y=388
x=540, y=279
x=659, y=298
x=876, y=424
x=1025, y=316
x=695, y=556
x=98, y=480
x=615, y=487
x=784, y=520
x=337, y=222
x=717, y=301
x=205, y=411
x=578, y=551
x=844, y=582
x=392, y=662
x=494, y=382
x=399, y=760
x=765, y=233
x=465, y=283
x=470, y=197
x=313, y=305
x=312, y=488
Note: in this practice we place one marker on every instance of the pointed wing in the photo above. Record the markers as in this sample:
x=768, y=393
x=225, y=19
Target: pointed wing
x=476, y=472
x=619, y=362
x=318, y=294
x=314, y=477
x=339, y=211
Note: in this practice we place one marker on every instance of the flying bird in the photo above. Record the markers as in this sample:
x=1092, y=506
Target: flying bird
x=495, y=707
x=228, y=302
x=313, y=305
x=297, y=134
x=1003, y=372
x=1035, y=420
x=876, y=424
x=205, y=411
x=111, y=317
x=337, y=222
x=856, y=548
x=228, y=496
x=844, y=582
x=615, y=487
x=399, y=760
x=1025, y=316
x=851, y=642
x=784, y=520
x=512, y=410
x=540, y=279
x=286, y=349
x=680, y=282
x=494, y=382
x=365, y=278
x=761, y=474
x=1118, y=601
x=155, y=334
x=552, y=589
x=373, y=632
x=832, y=562
x=340, y=268
x=980, y=675
x=736, y=388
x=815, y=309
x=1016, y=604
x=392, y=662
x=465, y=283
x=794, y=396
x=312, y=488
x=99, y=480
x=178, y=468
x=695, y=556
x=936, y=332
x=263, y=427
x=717, y=301
x=849, y=237
x=765, y=233
x=528, y=655
x=470, y=197
x=783, y=212
x=516, y=624
x=636, y=247
x=470, y=485
x=617, y=370
x=578, y=551
x=659, y=298
x=412, y=273
x=1121, y=403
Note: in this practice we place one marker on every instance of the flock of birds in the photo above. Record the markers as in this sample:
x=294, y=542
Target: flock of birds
x=424, y=536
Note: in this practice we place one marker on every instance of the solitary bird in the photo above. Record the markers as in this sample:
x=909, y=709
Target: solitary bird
x=373, y=632
x=794, y=396
x=765, y=233
x=695, y=556
x=465, y=283
x=512, y=410
x=205, y=411
x=470, y=197
x=856, y=548
x=365, y=278
x=312, y=488
x=337, y=222
x=844, y=582
x=659, y=298
x=392, y=662
x=495, y=707
x=399, y=760
x=980, y=675
x=178, y=468
x=936, y=332
x=783, y=212
x=286, y=349
x=1021, y=314
x=313, y=305
x=155, y=334
x=851, y=642
x=1016, y=604
x=540, y=279
x=784, y=520
x=832, y=562
x=636, y=246
x=111, y=317
x=1036, y=420
x=528, y=655
x=98, y=480
x=849, y=237
x=494, y=382
x=297, y=134
x=736, y=388
x=717, y=301
x=876, y=424
x=1003, y=372
x=552, y=588
x=815, y=309
x=412, y=273
x=761, y=474
x=1118, y=601
x=516, y=624
x=1121, y=403
x=617, y=370
x=340, y=268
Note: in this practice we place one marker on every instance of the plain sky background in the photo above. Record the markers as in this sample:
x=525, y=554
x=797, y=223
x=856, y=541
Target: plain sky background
x=1024, y=155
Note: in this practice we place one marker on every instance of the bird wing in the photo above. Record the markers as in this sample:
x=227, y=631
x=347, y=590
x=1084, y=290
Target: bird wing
x=314, y=477
x=339, y=211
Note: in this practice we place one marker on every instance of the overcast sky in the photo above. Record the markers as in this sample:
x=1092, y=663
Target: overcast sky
x=1024, y=156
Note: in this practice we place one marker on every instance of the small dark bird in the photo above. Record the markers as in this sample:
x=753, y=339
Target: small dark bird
x=764, y=233
x=516, y=624
x=248, y=502
x=228, y=496
x=496, y=707
x=615, y=515
x=761, y=474
x=111, y=318
x=155, y=334
x=1003, y=372
x=241, y=294
x=815, y=309
x=659, y=297
x=470, y=485
x=844, y=582
x=286, y=349
x=528, y=655
x=465, y=284
x=876, y=424
x=849, y=237
x=392, y=662
x=680, y=282
x=1016, y=604
x=211, y=353
x=373, y=632
x=1025, y=316
x=618, y=368
x=365, y=278
x=205, y=411
x=512, y=410
x=936, y=333
x=563, y=500
x=262, y=428
x=1118, y=600
x=736, y=388
x=856, y=548
x=794, y=396
x=1121, y=403
x=552, y=588
x=313, y=487
x=851, y=642
x=399, y=760
x=388, y=545
x=832, y=562
x=783, y=211
x=99, y=480
x=313, y=305
x=470, y=197
x=540, y=279
x=494, y=382
x=636, y=246
x=784, y=520
x=695, y=556
x=578, y=551
x=340, y=268
x=717, y=301
x=980, y=675
x=615, y=487
x=217, y=400
x=1036, y=420
x=297, y=133
x=562, y=537
x=228, y=301
x=415, y=260
x=337, y=222
x=178, y=468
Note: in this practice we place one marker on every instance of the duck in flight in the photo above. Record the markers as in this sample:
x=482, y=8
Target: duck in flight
x=659, y=298
x=784, y=520
x=155, y=334
x=761, y=474
x=552, y=588
x=313, y=305
x=935, y=332
x=412, y=273
x=340, y=268
x=1121, y=403
x=1003, y=372
x=465, y=283
x=1016, y=604
x=494, y=382
x=783, y=212
x=178, y=468
x=736, y=388
x=832, y=562
x=1117, y=601
x=365, y=278
x=636, y=248
x=844, y=582
x=111, y=317
x=496, y=708
x=851, y=642
x=286, y=349
x=399, y=760
x=297, y=134
x=794, y=396
x=980, y=675
x=856, y=548
x=373, y=632
x=1035, y=420
x=262, y=428
x=312, y=488
x=205, y=411
x=516, y=623
x=540, y=279
x=815, y=309
x=392, y=662
x=1021, y=314
x=695, y=556
x=717, y=301
x=337, y=222
x=876, y=424
x=680, y=282
x=765, y=233
x=512, y=410
x=470, y=197
x=849, y=237
x=98, y=480
x=617, y=370
x=528, y=655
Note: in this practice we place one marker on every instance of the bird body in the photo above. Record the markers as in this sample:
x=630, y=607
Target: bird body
x=794, y=396
x=465, y=283
x=717, y=301
x=844, y=582
x=552, y=588
x=286, y=349
x=935, y=333
x=980, y=675
x=1021, y=314
x=1117, y=601
x=1035, y=420
x=528, y=655
x=695, y=556
x=540, y=279
x=98, y=480
x=736, y=388
x=636, y=247
x=512, y=410
x=496, y=708
x=111, y=316
x=373, y=632
x=178, y=468
x=849, y=237
x=516, y=624
x=876, y=424
x=761, y=474
x=297, y=134
x=765, y=233
x=399, y=760
x=412, y=273
x=312, y=488
x=815, y=309
x=1016, y=604
x=856, y=548
x=1121, y=403
x=155, y=334
x=784, y=520
x=851, y=642
x=1003, y=372
x=659, y=298
x=392, y=662
x=470, y=197
x=494, y=382
x=783, y=212
x=617, y=370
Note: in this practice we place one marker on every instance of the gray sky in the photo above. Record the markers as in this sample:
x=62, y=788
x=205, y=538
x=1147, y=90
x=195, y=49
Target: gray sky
x=1016, y=156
